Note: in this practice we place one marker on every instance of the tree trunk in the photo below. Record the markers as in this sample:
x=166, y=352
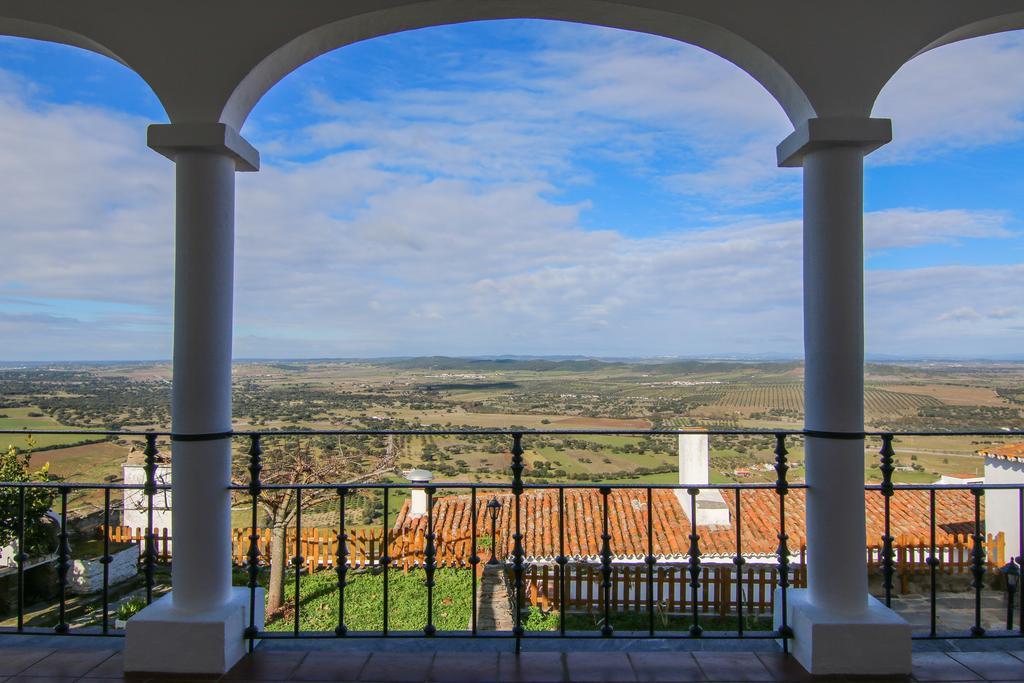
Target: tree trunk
x=278, y=562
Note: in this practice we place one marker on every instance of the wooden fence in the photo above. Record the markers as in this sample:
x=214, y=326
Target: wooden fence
x=127, y=534
x=319, y=550
x=721, y=587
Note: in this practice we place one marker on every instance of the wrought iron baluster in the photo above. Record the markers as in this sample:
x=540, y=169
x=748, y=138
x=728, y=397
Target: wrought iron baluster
x=1020, y=549
x=606, y=564
x=561, y=561
x=695, y=628
x=20, y=558
x=517, y=537
x=977, y=562
x=385, y=562
x=341, y=563
x=430, y=563
x=650, y=560
x=474, y=559
x=149, y=489
x=106, y=560
x=255, y=488
x=782, y=489
x=739, y=561
x=933, y=563
x=298, y=559
x=63, y=562
x=888, y=565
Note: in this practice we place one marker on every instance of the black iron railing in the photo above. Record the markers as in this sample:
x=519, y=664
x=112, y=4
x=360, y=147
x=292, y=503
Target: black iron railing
x=519, y=559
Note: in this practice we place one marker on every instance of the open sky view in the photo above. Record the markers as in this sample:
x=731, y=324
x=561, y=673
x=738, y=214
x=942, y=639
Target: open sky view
x=513, y=187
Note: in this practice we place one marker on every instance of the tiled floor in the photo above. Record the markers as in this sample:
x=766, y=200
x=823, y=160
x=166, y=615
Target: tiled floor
x=32, y=664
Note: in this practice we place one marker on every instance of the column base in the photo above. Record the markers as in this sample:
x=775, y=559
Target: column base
x=161, y=639
x=876, y=642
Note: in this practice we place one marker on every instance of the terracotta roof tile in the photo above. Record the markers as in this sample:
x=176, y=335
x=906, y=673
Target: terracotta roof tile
x=1011, y=451
x=627, y=521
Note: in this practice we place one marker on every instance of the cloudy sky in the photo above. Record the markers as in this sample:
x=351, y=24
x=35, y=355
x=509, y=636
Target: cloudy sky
x=514, y=187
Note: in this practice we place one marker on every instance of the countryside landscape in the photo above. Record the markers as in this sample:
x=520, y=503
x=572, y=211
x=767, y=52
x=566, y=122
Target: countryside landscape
x=528, y=394
x=469, y=395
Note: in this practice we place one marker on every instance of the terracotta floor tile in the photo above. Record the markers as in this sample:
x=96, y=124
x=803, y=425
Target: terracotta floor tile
x=14, y=660
x=397, y=667
x=992, y=666
x=465, y=667
x=531, y=667
x=784, y=667
x=266, y=665
x=599, y=667
x=665, y=667
x=41, y=679
x=330, y=666
x=938, y=666
x=732, y=666
x=72, y=663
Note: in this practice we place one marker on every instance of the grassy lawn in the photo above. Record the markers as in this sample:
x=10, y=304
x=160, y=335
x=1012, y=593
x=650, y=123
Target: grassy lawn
x=407, y=607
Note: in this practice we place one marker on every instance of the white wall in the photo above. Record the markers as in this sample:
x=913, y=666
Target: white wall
x=135, y=507
x=1001, y=507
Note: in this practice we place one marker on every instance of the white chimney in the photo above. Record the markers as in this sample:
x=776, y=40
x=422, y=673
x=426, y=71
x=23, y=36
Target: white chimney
x=418, y=504
x=693, y=458
x=694, y=470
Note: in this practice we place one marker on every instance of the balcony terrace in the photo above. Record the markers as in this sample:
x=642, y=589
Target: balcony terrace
x=824, y=63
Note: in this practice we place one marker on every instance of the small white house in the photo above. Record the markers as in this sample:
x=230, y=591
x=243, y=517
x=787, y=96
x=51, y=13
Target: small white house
x=134, y=514
x=1004, y=465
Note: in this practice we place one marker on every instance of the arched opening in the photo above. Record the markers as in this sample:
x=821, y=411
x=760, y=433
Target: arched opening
x=86, y=209
x=538, y=192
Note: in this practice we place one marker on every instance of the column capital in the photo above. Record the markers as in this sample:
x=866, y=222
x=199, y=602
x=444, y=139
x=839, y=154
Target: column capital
x=170, y=138
x=834, y=131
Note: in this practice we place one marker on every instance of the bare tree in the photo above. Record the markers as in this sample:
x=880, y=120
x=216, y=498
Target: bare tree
x=298, y=460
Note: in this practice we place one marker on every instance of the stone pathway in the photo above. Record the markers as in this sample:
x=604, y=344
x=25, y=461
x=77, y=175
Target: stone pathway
x=494, y=605
x=954, y=611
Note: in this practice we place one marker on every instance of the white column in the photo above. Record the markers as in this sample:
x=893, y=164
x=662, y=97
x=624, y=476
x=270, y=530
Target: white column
x=202, y=610
x=834, y=376
x=838, y=628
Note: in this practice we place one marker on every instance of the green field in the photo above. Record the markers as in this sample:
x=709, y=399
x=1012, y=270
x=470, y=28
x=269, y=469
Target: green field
x=29, y=419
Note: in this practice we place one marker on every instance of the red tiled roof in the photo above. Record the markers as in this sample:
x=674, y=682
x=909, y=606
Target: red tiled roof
x=627, y=521
x=1011, y=451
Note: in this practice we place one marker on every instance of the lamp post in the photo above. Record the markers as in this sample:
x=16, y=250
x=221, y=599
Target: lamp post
x=1012, y=573
x=492, y=507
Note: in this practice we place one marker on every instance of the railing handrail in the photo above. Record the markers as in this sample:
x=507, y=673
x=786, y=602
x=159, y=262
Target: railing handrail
x=510, y=431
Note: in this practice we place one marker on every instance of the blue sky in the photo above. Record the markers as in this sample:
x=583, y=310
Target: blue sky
x=510, y=187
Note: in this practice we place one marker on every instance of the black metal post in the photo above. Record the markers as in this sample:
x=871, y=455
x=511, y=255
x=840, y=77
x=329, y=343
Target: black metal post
x=517, y=548
x=888, y=565
x=695, y=628
x=106, y=560
x=430, y=563
x=933, y=565
x=341, y=563
x=385, y=563
x=298, y=560
x=474, y=559
x=978, y=563
x=20, y=559
x=650, y=560
x=739, y=561
x=63, y=562
x=149, y=489
x=255, y=487
x=781, y=489
x=606, y=564
x=562, y=561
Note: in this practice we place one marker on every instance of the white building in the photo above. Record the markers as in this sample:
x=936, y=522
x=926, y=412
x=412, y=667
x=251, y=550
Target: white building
x=135, y=502
x=1004, y=465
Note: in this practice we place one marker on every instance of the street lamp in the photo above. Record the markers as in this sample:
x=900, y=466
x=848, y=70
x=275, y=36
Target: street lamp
x=1012, y=573
x=492, y=508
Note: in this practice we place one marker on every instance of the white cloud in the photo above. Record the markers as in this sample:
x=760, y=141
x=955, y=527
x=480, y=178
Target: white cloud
x=959, y=96
x=437, y=222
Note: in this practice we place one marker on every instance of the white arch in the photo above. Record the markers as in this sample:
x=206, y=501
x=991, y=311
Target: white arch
x=330, y=36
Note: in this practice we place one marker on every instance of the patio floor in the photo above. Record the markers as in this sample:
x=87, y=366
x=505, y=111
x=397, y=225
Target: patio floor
x=39, y=659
